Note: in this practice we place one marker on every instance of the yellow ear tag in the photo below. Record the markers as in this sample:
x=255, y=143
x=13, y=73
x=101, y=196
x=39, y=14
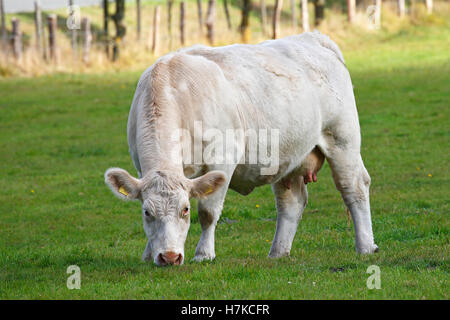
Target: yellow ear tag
x=123, y=191
x=209, y=190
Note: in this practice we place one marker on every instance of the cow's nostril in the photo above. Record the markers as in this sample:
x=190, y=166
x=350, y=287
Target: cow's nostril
x=178, y=260
x=161, y=260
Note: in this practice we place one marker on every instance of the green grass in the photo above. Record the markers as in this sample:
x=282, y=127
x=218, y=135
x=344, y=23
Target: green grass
x=59, y=133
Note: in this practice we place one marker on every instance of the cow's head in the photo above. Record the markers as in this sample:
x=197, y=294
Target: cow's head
x=165, y=207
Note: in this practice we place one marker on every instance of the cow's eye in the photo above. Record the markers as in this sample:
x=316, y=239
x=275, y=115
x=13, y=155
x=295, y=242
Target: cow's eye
x=185, y=211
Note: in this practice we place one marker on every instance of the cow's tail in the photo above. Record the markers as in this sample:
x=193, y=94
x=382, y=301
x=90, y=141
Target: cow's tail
x=326, y=42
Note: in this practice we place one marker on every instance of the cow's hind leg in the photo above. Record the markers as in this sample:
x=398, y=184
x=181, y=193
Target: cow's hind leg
x=291, y=201
x=353, y=181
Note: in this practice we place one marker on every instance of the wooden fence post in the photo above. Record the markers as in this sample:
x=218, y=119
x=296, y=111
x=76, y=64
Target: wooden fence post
x=227, y=13
x=105, y=25
x=210, y=18
x=87, y=38
x=263, y=17
x=200, y=16
x=401, y=8
x=245, y=21
x=38, y=26
x=305, y=15
x=429, y=5
x=293, y=15
x=378, y=13
x=17, y=38
x=4, y=34
x=120, y=27
x=182, y=21
x=276, y=18
x=351, y=9
x=156, y=19
x=169, y=20
x=319, y=11
x=73, y=30
x=138, y=18
x=51, y=21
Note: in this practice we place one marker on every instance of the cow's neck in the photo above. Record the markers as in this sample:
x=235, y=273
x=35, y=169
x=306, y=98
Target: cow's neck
x=159, y=150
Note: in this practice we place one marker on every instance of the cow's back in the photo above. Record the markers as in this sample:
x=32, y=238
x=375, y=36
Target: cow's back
x=296, y=85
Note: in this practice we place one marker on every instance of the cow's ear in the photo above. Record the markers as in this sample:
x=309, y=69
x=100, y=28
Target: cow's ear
x=122, y=184
x=207, y=184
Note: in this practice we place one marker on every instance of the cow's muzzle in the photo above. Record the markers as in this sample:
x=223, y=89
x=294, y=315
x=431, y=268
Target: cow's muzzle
x=169, y=258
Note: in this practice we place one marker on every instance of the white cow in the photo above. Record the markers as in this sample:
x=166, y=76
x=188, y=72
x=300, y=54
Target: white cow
x=298, y=86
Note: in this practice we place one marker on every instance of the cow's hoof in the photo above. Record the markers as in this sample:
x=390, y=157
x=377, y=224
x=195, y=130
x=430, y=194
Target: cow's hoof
x=372, y=249
x=275, y=255
x=203, y=257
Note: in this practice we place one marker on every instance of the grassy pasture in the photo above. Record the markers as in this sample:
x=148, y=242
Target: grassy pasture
x=59, y=133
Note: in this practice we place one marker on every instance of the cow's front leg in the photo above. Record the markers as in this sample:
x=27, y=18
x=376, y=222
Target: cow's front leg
x=208, y=217
x=291, y=199
x=209, y=211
